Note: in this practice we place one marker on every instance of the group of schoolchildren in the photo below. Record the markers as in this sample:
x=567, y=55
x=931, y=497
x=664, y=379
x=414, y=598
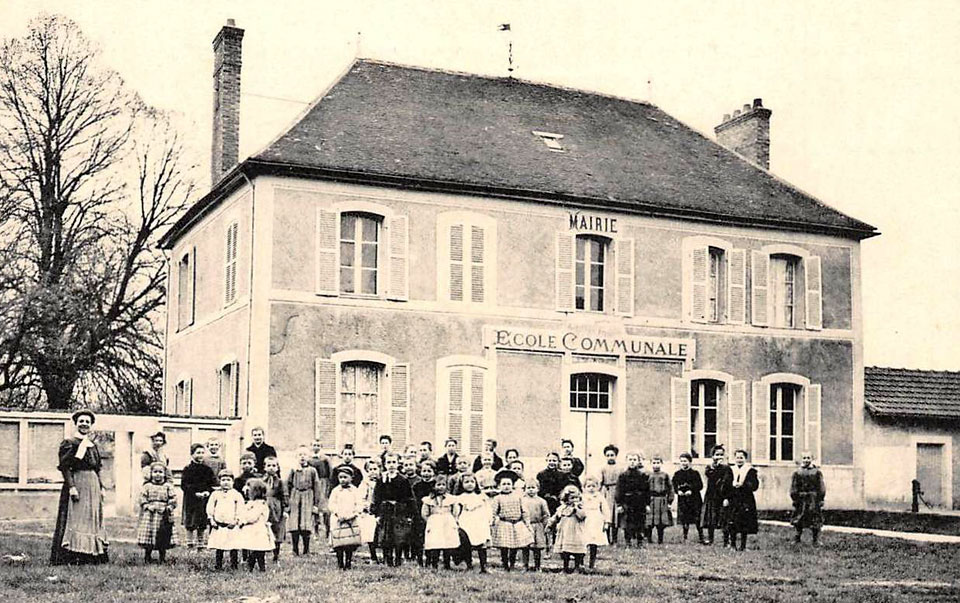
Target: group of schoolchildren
x=415, y=507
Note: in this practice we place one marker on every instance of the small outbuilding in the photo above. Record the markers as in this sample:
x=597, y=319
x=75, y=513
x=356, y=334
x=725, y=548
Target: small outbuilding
x=912, y=431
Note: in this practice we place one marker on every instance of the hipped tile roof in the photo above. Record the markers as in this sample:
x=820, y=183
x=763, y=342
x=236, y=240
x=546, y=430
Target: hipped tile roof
x=892, y=392
x=427, y=129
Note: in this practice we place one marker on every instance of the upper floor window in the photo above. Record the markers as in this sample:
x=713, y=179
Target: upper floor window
x=230, y=265
x=595, y=274
x=186, y=289
x=590, y=270
x=590, y=391
x=783, y=279
x=786, y=288
x=714, y=283
x=359, y=253
x=466, y=258
x=704, y=416
x=362, y=251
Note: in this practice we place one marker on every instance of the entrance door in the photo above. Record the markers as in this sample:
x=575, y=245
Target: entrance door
x=930, y=472
x=590, y=421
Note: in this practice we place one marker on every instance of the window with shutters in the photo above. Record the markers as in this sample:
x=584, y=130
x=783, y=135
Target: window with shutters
x=359, y=406
x=782, y=420
x=359, y=253
x=228, y=403
x=183, y=397
x=786, y=288
x=714, y=282
x=230, y=264
x=466, y=257
x=591, y=392
x=590, y=273
x=361, y=250
x=705, y=395
x=464, y=393
x=186, y=289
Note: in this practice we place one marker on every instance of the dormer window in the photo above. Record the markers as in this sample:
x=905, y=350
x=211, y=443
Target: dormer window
x=551, y=140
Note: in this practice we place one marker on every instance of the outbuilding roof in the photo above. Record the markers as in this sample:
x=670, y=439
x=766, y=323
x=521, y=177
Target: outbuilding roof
x=435, y=130
x=892, y=392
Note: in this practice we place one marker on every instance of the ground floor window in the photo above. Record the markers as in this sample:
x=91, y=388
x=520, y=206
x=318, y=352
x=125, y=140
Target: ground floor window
x=704, y=408
x=590, y=391
x=359, y=404
x=783, y=405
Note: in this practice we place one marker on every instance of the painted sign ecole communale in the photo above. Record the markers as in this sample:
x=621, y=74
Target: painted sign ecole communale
x=563, y=341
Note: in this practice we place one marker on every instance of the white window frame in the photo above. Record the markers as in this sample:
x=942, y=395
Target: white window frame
x=606, y=243
x=611, y=381
x=776, y=411
x=358, y=243
x=807, y=425
x=807, y=288
x=778, y=289
x=468, y=221
x=698, y=430
x=183, y=396
x=471, y=365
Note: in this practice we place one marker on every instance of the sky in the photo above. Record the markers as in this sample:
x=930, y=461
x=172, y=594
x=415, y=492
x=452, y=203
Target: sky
x=863, y=93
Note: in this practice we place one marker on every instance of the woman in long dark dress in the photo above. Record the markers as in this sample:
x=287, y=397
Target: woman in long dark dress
x=742, y=512
x=714, y=513
x=79, y=536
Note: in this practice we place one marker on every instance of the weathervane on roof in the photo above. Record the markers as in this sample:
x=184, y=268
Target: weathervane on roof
x=506, y=27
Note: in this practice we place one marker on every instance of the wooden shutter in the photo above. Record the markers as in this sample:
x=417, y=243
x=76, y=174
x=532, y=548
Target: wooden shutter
x=477, y=289
x=811, y=426
x=737, y=287
x=188, y=397
x=456, y=262
x=625, y=277
x=737, y=414
x=476, y=409
x=680, y=416
x=325, y=403
x=230, y=265
x=760, y=287
x=761, y=422
x=400, y=404
x=699, y=280
x=455, y=406
x=328, y=246
x=399, y=250
x=235, y=390
x=566, y=247
x=191, y=308
x=814, y=287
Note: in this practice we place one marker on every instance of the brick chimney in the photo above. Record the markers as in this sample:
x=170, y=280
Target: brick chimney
x=747, y=133
x=226, y=100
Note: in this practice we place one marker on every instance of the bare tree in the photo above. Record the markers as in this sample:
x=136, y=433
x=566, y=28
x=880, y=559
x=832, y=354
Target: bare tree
x=89, y=179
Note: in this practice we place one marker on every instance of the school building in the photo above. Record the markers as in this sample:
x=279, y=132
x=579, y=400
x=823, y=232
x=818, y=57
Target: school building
x=912, y=432
x=433, y=254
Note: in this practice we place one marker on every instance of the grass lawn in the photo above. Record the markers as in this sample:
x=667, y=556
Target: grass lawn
x=845, y=568
x=928, y=522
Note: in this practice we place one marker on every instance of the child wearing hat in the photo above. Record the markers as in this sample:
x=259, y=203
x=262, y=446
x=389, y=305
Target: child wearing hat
x=345, y=504
x=155, y=454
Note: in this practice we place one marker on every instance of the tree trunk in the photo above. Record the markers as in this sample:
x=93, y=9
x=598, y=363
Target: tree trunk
x=58, y=386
